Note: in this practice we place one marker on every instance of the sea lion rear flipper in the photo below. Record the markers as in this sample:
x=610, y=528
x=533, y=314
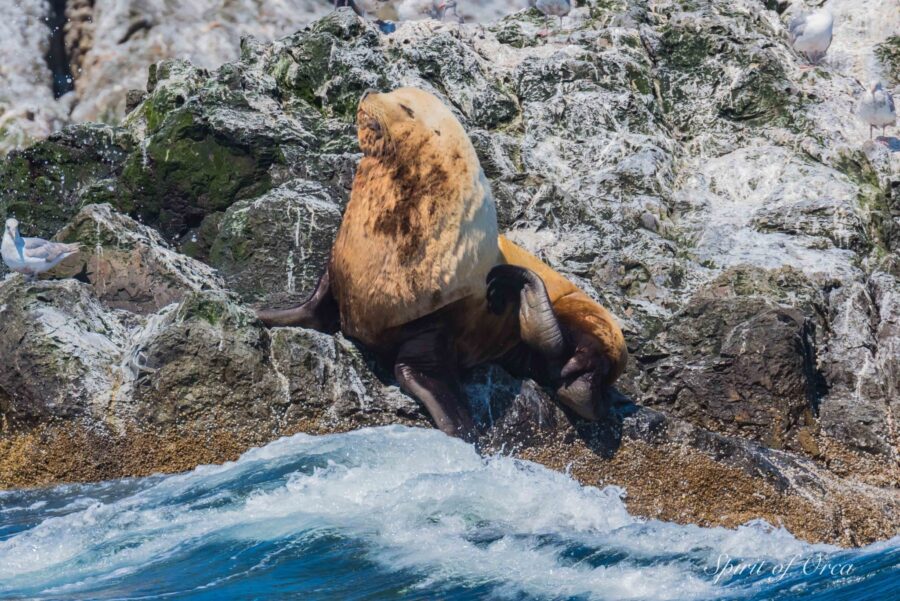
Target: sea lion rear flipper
x=426, y=369
x=320, y=312
x=538, y=325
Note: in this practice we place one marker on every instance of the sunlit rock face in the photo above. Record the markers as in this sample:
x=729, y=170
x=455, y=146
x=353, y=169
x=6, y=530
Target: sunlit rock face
x=677, y=161
x=109, y=44
x=28, y=111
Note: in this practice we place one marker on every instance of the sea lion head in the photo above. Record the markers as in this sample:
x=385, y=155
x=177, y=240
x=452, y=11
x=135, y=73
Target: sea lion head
x=409, y=125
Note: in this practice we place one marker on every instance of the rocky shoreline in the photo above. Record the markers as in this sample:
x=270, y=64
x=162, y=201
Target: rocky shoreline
x=678, y=165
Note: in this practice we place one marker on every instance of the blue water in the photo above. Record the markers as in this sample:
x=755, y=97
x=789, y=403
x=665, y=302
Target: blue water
x=396, y=513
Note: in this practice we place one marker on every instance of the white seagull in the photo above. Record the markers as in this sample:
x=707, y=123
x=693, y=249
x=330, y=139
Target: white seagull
x=876, y=107
x=441, y=8
x=31, y=256
x=552, y=8
x=811, y=34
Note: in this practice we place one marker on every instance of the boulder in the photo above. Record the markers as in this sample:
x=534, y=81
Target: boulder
x=128, y=265
x=274, y=248
x=744, y=366
x=327, y=379
x=861, y=365
x=58, y=348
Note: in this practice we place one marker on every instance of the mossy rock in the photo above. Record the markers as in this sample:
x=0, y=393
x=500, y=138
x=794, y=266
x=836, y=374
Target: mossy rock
x=888, y=52
x=187, y=170
x=687, y=48
x=45, y=185
x=170, y=84
x=331, y=64
x=511, y=33
x=761, y=95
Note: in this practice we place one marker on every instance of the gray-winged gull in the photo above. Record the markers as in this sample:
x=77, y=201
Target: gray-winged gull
x=31, y=256
x=811, y=34
x=552, y=8
x=876, y=107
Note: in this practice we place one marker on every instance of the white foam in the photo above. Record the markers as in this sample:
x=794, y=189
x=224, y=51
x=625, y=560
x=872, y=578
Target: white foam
x=418, y=500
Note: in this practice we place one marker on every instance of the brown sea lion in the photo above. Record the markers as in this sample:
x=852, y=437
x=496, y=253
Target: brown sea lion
x=419, y=274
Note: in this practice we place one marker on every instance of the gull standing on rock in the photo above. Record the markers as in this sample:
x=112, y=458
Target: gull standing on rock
x=364, y=8
x=876, y=107
x=441, y=8
x=552, y=8
x=31, y=256
x=811, y=34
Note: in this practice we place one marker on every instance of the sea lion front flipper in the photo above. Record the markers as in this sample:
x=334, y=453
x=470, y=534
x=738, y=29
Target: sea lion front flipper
x=538, y=325
x=426, y=369
x=320, y=312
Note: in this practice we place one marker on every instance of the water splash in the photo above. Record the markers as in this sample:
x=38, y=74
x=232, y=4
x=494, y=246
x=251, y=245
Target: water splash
x=391, y=511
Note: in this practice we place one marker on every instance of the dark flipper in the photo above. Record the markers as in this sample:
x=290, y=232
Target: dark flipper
x=426, y=369
x=320, y=312
x=566, y=359
x=582, y=387
x=538, y=325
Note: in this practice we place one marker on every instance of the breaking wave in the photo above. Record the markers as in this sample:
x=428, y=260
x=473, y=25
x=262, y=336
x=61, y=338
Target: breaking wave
x=395, y=513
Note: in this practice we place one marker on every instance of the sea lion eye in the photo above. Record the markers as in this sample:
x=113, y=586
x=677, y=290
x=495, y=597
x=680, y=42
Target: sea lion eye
x=408, y=111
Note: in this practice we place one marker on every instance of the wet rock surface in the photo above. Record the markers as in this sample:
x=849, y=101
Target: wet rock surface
x=678, y=165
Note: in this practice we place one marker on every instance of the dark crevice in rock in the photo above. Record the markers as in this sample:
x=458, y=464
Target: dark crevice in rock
x=57, y=55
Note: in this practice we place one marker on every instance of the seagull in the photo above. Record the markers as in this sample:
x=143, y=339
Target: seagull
x=31, y=256
x=552, y=8
x=811, y=34
x=365, y=7
x=876, y=107
x=440, y=9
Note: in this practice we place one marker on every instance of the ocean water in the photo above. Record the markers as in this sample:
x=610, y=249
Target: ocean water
x=397, y=513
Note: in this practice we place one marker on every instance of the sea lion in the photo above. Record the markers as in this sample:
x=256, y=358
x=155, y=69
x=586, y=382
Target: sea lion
x=419, y=274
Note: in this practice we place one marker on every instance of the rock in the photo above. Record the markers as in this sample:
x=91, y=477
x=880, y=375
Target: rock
x=860, y=366
x=275, y=247
x=676, y=164
x=58, y=347
x=830, y=218
x=888, y=52
x=743, y=366
x=111, y=41
x=28, y=111
x=454, y=68
x=79, y=33
x=128, y=265
x=46, y=184
x=326, y=378
x=206, y=363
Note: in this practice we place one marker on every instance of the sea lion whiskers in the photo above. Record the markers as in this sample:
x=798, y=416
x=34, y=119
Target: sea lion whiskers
x=374, y=135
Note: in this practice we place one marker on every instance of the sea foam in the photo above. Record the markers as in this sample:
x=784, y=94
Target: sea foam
x=410, y=503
